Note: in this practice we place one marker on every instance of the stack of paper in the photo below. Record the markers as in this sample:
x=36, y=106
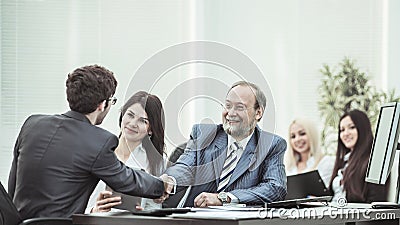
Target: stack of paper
x=226, y=213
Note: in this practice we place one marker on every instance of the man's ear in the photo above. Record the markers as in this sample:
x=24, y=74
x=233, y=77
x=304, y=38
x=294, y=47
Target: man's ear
x=102, y=106
x=259, y=113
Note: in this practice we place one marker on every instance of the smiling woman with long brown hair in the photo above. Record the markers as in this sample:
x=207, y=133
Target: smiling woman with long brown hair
x=353, y=151
x=141, y=146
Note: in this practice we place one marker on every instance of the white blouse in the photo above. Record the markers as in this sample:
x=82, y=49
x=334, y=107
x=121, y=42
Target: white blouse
x=137, y=160
x=337, y=187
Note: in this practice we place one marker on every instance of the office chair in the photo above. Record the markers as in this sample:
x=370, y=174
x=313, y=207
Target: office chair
x=9, y=214
x=47, y=221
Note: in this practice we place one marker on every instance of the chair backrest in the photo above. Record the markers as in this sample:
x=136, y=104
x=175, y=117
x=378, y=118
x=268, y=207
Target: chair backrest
x=47, y=221
x=8, y=212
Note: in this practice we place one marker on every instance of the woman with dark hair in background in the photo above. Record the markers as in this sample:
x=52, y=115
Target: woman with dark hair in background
x=354, y=148
x=141, y=146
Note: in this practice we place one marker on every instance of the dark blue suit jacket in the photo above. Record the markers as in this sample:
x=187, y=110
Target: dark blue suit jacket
x=259, y=176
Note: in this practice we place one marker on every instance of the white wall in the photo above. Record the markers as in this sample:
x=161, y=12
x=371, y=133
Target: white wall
x=41, y=41
x=393, y=45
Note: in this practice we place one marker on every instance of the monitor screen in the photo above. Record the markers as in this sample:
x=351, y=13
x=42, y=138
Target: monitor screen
x=385, y=144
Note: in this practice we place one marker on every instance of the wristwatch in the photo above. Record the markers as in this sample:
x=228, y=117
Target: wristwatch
x=223, y=197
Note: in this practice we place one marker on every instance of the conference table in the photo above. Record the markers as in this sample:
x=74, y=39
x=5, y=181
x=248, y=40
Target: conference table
x=317, y=215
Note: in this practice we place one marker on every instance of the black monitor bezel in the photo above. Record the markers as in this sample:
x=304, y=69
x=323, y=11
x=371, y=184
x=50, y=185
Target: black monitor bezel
x=391, y=144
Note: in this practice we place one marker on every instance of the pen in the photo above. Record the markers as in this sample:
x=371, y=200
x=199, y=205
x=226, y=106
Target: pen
x=235, y=205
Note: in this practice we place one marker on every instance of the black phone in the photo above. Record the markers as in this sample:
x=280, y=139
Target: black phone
x=160, y=212
x=385, y=205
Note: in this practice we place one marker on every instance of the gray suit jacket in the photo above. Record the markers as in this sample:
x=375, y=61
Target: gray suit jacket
x=59, y=159
x=259, y=175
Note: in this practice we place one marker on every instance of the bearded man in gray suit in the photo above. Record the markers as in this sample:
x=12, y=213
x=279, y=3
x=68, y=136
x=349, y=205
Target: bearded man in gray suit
x=59, y=159
x=234, y=162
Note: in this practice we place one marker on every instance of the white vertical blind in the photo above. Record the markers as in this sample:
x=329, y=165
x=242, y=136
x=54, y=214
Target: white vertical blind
x=43, y=40
x=33, y=55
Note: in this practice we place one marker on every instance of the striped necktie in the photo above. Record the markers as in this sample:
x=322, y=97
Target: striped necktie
x=229, y=167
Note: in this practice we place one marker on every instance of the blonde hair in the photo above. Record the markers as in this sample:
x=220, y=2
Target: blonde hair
x=292, y=157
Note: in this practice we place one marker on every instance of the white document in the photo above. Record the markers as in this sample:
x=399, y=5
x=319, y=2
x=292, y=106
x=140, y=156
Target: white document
x=225, y=215
x=228, y=214
x=352, y=206
x=234, y=208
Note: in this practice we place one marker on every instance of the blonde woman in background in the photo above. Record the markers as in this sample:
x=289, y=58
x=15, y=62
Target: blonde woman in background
x=304, y=153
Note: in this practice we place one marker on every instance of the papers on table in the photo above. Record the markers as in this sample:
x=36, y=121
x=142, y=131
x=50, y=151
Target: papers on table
x=233, y=208
x=226, y=213
x=351, y=205
x=220, y=214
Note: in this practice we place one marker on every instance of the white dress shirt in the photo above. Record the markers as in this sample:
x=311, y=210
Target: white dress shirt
x=337, y=185
x=243, y=143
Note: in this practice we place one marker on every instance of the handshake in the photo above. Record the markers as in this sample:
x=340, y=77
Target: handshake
x=169, y=188
x=106, y=200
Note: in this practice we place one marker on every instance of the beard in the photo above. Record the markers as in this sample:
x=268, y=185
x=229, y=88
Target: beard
x=239, y=131
x=101, y=117
x=99, y=120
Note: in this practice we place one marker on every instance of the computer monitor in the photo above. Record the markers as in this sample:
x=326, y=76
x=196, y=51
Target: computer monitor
x=385, y=144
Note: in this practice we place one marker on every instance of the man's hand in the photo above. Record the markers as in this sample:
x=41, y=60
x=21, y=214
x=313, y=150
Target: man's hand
x=105, y=201
x=169, y=183
x=207, y=199
x=168, y=188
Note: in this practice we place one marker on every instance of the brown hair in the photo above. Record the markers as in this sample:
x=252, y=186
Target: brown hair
x=354, y=174
x=88, y=86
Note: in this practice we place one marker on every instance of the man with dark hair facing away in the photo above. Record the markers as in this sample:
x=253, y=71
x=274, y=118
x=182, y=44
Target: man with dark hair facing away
x=59, y=159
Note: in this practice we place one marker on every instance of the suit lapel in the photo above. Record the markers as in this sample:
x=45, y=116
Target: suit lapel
x=254, y=154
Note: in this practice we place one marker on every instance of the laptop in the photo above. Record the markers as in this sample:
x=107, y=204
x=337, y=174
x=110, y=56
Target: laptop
x=305, y=185
x=303, y=188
